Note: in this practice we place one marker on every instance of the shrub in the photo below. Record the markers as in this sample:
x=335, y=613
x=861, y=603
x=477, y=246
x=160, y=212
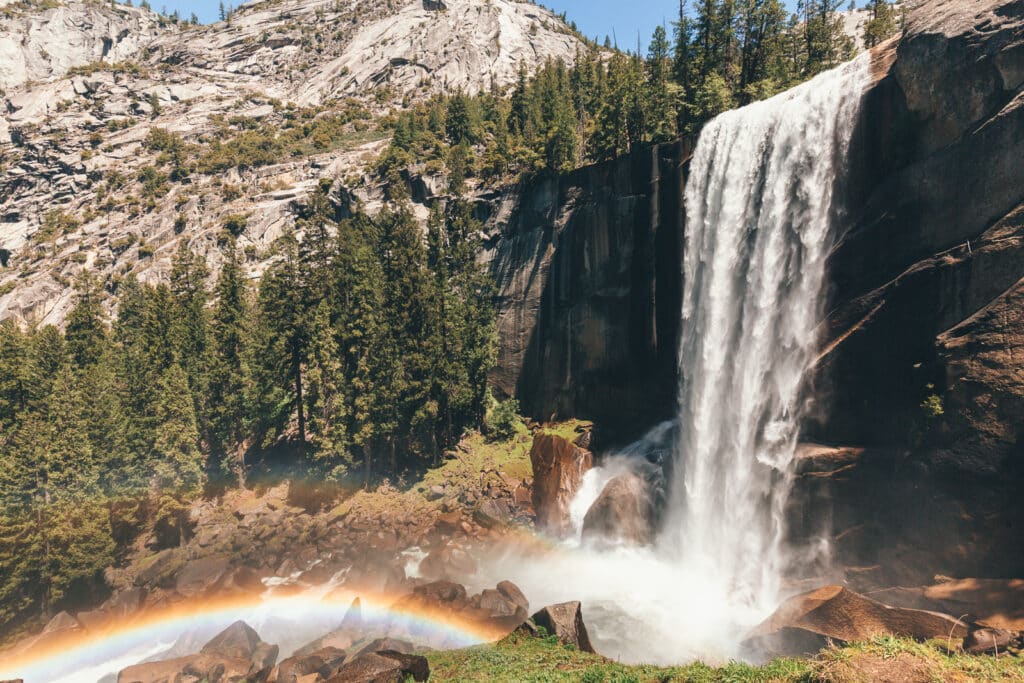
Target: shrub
x=236, y=223
x=504, y=420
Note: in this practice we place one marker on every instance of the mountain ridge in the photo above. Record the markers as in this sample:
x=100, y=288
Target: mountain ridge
x=74, y=144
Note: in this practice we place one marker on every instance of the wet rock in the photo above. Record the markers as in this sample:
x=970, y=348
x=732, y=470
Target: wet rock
x=565, y=620
x=497, y=611
x=558, y=469
x=443, y=595
x=807, y=622
x=238, y=640
x=623, y=512
x=379, y=644
x=160, y=569
x=450, y=561
x=512, y=592
x=235, y=654
x=191, y=668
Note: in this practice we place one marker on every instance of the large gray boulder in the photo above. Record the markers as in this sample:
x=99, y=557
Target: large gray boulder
x=624, y=512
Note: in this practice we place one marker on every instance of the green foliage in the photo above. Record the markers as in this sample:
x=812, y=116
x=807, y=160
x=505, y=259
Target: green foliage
x=884, y=22
x=56, y=223
x=235, y=223
x=724, y=53
x=503, y=420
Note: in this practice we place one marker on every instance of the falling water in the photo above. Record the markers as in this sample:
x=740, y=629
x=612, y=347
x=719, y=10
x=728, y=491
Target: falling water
x=761, y=218
x=760, y=223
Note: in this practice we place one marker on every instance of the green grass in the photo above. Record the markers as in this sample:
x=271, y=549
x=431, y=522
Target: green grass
x=536, y=660
x=892, y=659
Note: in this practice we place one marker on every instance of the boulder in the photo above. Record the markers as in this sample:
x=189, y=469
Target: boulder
x=623, y=512
x=236, y=653
x=321, y=663
x=383, y=667
x=558, y=469
x=202, y=576
x=565, y=620
x=238, y=640
x=190, y=668
x=448, y=561
x=497, y=610
x=378, y=645
x=512, y=592
x=440, y=595
x=992, y=641
x=160, y=569
x=807, y=622
x=354, y=616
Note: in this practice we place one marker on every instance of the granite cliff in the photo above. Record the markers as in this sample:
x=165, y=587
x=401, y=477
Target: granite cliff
x=83, y=84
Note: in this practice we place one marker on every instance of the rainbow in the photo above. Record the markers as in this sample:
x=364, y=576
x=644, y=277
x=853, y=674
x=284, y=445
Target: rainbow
x=87, y=656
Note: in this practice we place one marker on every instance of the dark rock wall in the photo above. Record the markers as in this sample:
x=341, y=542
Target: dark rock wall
x=588, y=267
x=925, y=302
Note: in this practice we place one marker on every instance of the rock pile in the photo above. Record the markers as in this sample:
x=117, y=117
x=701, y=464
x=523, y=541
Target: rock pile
x=236, y=654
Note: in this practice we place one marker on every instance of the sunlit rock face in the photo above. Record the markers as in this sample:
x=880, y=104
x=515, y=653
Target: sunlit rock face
x=39, y=44
x=82, y=84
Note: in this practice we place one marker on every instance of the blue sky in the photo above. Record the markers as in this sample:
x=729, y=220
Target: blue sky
x=595, y=18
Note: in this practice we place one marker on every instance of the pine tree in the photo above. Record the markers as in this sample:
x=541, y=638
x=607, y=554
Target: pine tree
x=661, y=119
x=85, y=330
x=883, y=22
x=281, y=342
x=228, y=368
x=177, y=460
x=327, y=395
x=826, y=41
x=190, y=320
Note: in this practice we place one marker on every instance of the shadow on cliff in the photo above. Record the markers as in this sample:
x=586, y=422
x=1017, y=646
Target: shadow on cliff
x=589, y=273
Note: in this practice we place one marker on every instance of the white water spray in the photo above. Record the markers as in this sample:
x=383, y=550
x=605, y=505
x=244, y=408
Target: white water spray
x=760, y=222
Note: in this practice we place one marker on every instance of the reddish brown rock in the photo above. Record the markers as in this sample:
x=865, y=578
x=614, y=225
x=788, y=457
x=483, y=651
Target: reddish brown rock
x=558, y=469
x=447, y=562
x=237, y=653
x=320, y=663
x=807, y=622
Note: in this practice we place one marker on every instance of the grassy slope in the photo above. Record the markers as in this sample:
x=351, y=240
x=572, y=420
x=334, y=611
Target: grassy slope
x=883, y=659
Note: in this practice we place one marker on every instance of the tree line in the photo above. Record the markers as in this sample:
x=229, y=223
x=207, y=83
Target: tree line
x=363, y=346
x=721, y=54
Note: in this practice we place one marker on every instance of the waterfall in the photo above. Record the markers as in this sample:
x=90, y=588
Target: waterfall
x=760, y=220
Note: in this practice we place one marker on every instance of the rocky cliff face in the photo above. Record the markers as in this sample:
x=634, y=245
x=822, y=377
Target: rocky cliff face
x=40, y=43
x=925, y=338
x=921, y=369
x=588, y=270
x=83, y=84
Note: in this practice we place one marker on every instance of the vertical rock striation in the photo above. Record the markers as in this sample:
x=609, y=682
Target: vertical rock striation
x=588, y=272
